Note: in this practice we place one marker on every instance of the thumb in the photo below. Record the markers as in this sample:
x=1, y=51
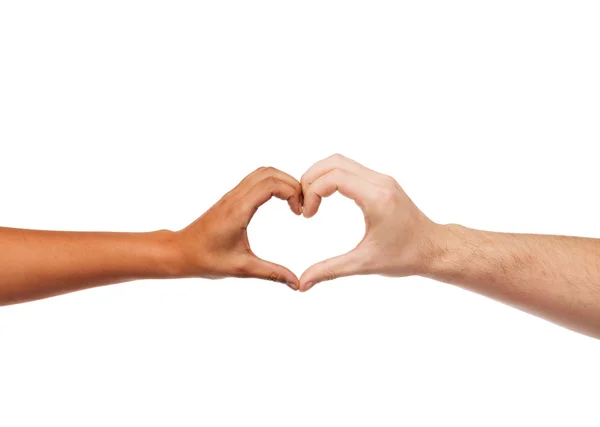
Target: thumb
x=348, y=264
x=261, y=269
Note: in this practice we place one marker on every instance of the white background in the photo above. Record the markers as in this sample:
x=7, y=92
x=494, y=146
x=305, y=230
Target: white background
x=139, y=115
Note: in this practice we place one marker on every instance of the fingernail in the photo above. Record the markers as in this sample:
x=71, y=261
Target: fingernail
x=293, y=286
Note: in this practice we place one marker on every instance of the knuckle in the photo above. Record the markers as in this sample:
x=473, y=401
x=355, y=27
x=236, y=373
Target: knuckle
x=270, y=182
x=229, y=209
x=328, y=273
x=270, y=169
x=304, y=182
x=274, y=277
x=337, y=157
x=390, y=180
x=386, y=196
x=338, y=173
x=245, y=208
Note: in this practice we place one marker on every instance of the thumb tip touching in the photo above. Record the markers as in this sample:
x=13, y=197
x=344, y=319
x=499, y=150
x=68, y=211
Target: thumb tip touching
x=289, y=279
x=330, y=269
x=306, y=286
x=308, y=279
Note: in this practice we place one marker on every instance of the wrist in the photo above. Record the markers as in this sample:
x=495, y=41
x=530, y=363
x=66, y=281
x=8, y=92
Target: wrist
x=168, y=261
x=440, y=248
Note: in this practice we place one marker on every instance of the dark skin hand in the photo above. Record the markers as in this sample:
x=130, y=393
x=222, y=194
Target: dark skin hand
x=216, y=244
x=38, y=264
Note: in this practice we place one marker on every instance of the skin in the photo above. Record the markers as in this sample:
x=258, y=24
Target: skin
x=554, y=277
x=39, y=264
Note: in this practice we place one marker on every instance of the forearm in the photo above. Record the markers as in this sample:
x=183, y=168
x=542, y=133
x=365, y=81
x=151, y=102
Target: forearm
x=38, y=264
x=555, y=277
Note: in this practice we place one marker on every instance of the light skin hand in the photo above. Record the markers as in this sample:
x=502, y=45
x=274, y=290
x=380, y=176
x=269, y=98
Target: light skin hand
x=396, y=230
x=38, y=264
x=554, y=277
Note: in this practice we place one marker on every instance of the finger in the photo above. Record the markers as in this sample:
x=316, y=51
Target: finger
x=361, y=191
x=341, y=266
x=267, y=188
x=261, y=269
x=244, y=182
x=338, y=161
x=242, y=185
x=261, y=174
x=268, y=172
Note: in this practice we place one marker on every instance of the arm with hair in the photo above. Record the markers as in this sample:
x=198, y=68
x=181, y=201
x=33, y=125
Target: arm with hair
x=554, y=277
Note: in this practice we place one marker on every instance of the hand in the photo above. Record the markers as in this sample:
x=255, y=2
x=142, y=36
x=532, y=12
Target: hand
x=216, y=244
x=398, y=234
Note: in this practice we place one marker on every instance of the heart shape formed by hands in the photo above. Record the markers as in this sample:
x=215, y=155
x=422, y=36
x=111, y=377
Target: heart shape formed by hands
x=216, y=245
x=297, y=242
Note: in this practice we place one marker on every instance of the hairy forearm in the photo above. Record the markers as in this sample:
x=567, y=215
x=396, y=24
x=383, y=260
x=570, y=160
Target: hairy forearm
x=555, y=277
x=38, y=264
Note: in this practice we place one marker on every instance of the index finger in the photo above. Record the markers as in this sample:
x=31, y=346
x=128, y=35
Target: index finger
x=268, y=188
x=348, y=184
x=337, y=161
x=263, y=173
